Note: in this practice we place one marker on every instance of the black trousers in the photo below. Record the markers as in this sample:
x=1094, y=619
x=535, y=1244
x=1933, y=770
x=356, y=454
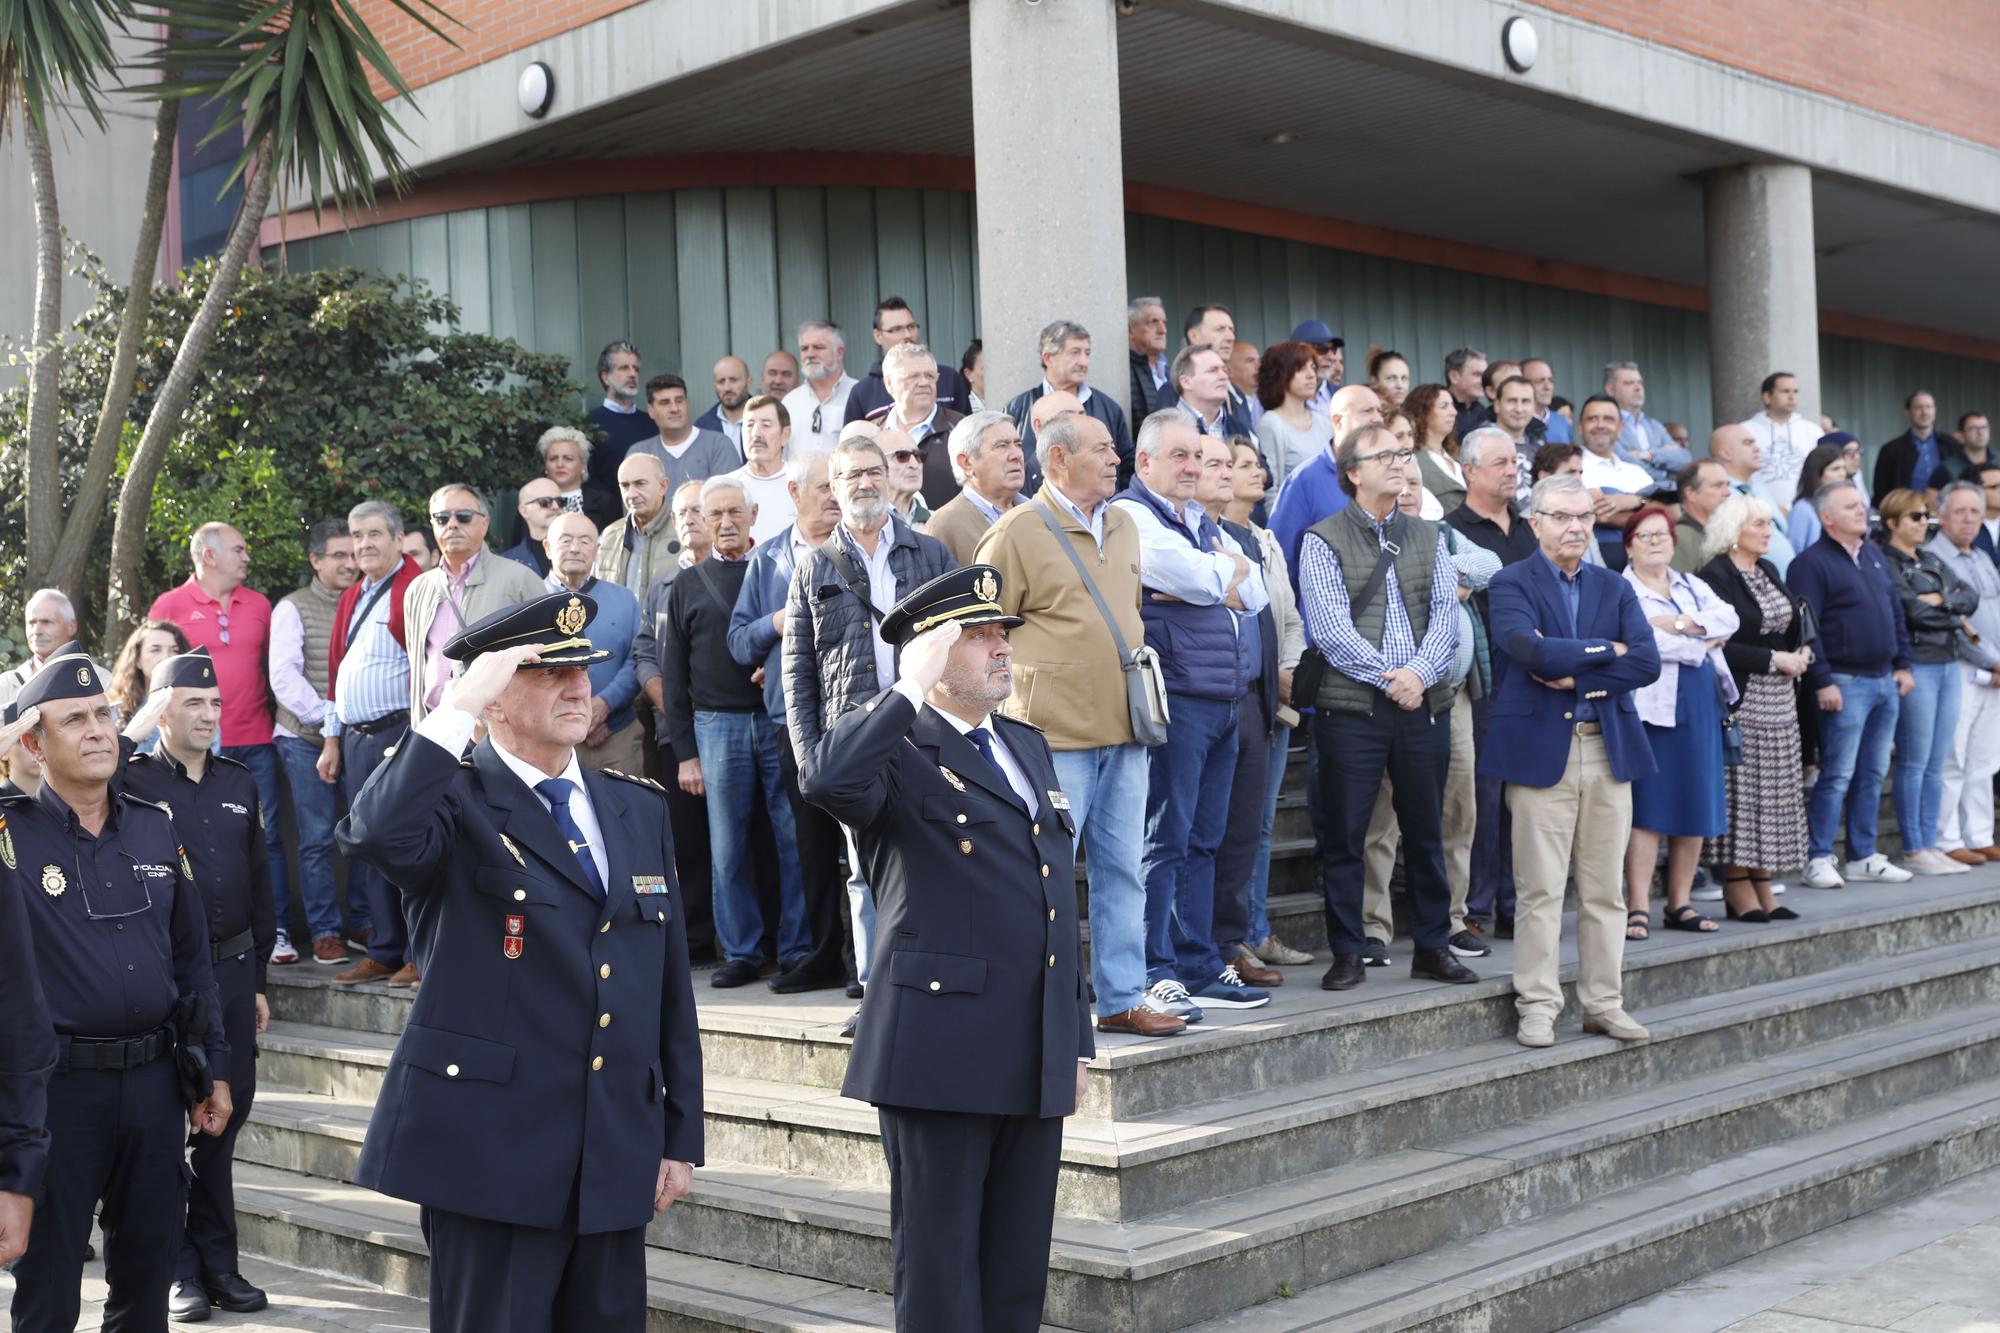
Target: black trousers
x=689, y=817
x=116, y=1138
x=820, y=846
x=389, y=934
x=496, y=1277
x=208, y=1249
x=1236, y=859
x=1414, y=749
x=972, y=1203
x=1489, y=894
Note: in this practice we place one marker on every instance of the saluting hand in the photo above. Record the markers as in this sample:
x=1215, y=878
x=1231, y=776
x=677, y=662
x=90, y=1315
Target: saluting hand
x=488, y=675
x=676, y=1179
x=924, y=657
x=11, y=734
x=148, y=717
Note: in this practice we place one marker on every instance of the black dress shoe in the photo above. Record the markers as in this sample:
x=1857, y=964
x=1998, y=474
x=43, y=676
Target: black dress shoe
x=854, y=990
x=1375, y=953
x=187, y=1301
x=801, y=979
x=1503, y=928
x=1347, y=972
x=849, y=1023
x=232, y=1293
x=1439, y=965
x=735, y=972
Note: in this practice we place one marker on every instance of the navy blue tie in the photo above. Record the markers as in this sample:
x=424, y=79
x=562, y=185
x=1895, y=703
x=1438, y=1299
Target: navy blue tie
x=557, y=791
x=982, y=741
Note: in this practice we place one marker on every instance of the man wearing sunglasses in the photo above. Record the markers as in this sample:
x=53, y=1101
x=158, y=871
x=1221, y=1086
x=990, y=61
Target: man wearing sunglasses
x=120, y=940
x=541, y=504
x=213, y=800
x=468, y=583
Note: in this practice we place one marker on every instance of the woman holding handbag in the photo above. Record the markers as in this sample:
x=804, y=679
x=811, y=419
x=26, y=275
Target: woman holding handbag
x=1767, y=655
x=1684, y=712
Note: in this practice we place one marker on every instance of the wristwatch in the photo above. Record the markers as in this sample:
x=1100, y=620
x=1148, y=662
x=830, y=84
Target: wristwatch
x=1680, y=624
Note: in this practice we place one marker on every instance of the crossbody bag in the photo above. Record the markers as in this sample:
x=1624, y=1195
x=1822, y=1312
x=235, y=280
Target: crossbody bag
x=1145, y=684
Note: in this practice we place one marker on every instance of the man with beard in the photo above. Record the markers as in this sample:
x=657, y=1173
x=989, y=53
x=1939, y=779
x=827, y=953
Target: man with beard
x=965, y=832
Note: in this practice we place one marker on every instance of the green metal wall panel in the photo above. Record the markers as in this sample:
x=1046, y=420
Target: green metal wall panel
x=692, y=274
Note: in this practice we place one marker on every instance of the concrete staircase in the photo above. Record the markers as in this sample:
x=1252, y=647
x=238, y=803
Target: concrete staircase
x=1384, y=1159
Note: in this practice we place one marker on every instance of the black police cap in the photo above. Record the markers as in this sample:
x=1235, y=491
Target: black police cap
x=969, y=596
x=64, y=676
x=195, y=670
x=556, y=621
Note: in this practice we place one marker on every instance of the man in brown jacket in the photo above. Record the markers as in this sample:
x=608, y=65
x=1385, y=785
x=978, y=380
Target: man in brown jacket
x=1070, y=683
x=986, y=458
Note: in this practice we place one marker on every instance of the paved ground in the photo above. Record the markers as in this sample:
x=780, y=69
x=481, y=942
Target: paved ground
x=300, y=1303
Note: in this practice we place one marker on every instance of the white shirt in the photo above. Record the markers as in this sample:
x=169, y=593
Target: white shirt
x=1615, y=474
x=802, y=402
x=451, y=728
x=773, y=498
x=881, y=591
x=1785, y=445
x=677, y=450
x=1017, y=777
x=1169, y=562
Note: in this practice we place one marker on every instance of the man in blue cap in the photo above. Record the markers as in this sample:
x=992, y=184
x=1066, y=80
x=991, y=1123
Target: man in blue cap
x=544, y=1102
x=976, y=1047
x=1329, y=358
x=213, y=802
x=122, y=947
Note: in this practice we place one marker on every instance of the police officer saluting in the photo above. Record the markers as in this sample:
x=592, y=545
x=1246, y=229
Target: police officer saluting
x=122, y=948
x=975, y=1032
x=544, y=1102
x=213, y=801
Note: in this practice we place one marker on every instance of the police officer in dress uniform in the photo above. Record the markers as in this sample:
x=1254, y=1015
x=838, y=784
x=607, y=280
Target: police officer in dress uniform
x=974, y=1039
x=544, y=1103
x=213, y=801
x=120, y=941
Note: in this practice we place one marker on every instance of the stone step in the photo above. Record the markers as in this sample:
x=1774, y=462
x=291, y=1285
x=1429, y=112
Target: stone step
x=1219, y=1255
x=1550, y=1272
x=1136, y=1167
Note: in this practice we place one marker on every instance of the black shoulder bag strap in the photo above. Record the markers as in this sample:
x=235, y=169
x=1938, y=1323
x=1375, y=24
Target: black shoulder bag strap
x=1380, y=574
x=374, y=598
x=843, y=566
x=722, y=603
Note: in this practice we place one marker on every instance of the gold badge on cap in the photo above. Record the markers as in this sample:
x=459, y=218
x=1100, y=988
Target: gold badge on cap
x=986, y=587
x=570, y=619
x=53, y=882
x=83, y=675
x=952, y=777
x=512, y=850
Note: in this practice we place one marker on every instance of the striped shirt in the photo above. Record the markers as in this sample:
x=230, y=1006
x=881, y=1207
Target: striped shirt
x=374, y=678
x=1325, y=603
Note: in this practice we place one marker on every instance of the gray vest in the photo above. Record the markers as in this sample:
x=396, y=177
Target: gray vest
x=315, y=607
x=1351, y=534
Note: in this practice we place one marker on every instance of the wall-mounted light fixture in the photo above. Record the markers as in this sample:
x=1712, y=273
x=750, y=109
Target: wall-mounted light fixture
x=1519, y=44
x=536, y=90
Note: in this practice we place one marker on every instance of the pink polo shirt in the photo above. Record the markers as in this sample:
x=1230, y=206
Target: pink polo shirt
x=237, y=635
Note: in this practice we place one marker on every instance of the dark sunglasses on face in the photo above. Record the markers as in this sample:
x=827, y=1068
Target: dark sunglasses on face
x=906, y=455
x=540, y=502
x=462, y=517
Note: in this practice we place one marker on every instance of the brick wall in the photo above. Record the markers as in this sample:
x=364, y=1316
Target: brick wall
x=492, y=29
x=1927, y=61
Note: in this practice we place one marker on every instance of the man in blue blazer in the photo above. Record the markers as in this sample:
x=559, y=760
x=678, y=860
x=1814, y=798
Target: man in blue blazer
x=976, y=1028
x=544, y=1102
x=1570, y=644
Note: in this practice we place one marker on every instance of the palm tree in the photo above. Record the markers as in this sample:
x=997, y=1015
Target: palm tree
x=293, y=78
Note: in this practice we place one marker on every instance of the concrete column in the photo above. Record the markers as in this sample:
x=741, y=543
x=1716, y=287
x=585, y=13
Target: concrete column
x=1763, y=303
x=1050, y=181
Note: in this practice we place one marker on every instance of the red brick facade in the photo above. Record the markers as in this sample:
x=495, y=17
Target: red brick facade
x=492, y=29
x=1927, y=61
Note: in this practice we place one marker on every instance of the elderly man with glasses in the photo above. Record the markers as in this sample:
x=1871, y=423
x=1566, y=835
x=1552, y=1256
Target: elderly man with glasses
x=468, y=584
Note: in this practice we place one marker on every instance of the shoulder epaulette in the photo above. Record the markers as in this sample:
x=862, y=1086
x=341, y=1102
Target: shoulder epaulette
x=227, y=760
x=161, y=806
x=14, y=798
x=629, y=777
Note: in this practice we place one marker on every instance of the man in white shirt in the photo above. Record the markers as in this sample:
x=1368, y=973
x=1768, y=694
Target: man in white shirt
x=818, y=407
x=1618, y=488
x=50, y=621
x=1784, y=438
x=767, y=433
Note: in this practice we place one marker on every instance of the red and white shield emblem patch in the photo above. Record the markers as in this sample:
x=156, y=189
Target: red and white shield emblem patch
x=515, y=924
x=511, y=946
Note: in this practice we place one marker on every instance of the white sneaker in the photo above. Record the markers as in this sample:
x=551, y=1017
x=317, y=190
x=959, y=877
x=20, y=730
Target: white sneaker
x=1929, y=862
x=1777, y=887
x=282, y=951
x=1171, y=998
x=1710, y=892
x=1878, y=868
x=1821, y=874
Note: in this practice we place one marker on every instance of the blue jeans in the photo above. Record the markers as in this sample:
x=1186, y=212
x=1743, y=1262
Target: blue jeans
x=361, y=754
x=739, y=754
x=1187, y=808
x=1854, y=751
x=1925, y=726
x=1260, y=869
x=313, y=810
x=1107, y=800
x=262, y=761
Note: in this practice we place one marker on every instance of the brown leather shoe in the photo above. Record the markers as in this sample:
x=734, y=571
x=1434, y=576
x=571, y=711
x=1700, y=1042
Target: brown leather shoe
x=1990, y=853
x=1142, y=1022
x=1967, y=858
x=1251, y=968
x=329, y=950
x=365, y=970
x=406, y=978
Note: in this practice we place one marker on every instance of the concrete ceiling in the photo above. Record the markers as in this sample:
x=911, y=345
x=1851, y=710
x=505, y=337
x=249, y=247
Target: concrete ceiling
x=1387, y=141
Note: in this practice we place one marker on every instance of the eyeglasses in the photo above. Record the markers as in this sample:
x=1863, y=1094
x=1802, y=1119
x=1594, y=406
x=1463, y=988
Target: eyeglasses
x=1393, y=455
x=222, y=623
x=1649, y=536
x=864, y=474
x=1563, y=518
x=543, y=502
x=816, y=426
x=462, y=517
